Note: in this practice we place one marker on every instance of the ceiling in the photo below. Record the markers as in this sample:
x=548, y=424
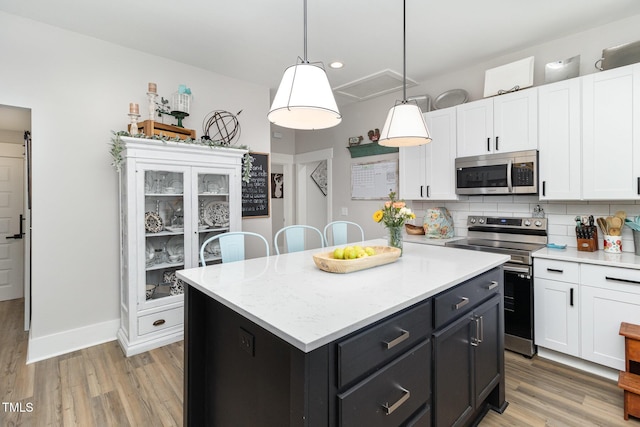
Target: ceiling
x=255, y=40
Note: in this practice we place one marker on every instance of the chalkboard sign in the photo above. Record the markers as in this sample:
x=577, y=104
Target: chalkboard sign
x=255, y=193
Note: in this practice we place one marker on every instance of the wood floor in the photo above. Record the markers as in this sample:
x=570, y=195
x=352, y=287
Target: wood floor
x=100, y=387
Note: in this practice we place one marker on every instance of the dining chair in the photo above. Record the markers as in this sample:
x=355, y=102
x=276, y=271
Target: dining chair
x=232, y=245
x=339, y=232
x=294, y=237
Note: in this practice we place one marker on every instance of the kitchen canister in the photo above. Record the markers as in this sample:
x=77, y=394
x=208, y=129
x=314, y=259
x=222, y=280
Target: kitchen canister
x=612, y=244
x=636, y=241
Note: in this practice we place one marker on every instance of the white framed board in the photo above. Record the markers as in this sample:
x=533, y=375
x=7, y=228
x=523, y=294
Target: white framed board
x=374, y=180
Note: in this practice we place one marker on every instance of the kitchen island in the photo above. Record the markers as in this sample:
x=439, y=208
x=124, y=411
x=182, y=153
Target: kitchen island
x=275, y=341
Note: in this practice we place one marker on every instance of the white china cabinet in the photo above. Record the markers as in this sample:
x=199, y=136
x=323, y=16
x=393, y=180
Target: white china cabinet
x=428, y=171
x=172, y=197
x=501, y=124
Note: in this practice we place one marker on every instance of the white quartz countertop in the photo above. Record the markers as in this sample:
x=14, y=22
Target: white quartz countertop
x=420, y=238
x=624, y=259
x=307, y=307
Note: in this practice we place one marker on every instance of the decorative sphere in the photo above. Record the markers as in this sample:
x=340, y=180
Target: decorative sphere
x=221, y=126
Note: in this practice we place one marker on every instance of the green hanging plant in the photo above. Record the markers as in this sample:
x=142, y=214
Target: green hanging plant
x=117, y=146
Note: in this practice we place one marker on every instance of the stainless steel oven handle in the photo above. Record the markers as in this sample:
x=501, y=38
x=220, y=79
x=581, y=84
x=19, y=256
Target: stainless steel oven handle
x=517, y=269
x=509, y=181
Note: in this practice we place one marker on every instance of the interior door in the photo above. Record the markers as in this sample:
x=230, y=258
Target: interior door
x=11, y=228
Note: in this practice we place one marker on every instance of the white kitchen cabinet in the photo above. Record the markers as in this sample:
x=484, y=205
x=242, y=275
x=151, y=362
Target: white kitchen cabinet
x=609, y=296
x=427, y=172
x=504, y=123
x=172, y=197
x=611, y=134
x=556, y=312
x=559, y=121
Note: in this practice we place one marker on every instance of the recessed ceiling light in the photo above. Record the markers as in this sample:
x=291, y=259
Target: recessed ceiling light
x=336, y=64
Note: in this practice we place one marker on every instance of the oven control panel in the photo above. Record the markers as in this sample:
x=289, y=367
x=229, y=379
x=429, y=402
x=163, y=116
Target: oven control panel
x=507, y=222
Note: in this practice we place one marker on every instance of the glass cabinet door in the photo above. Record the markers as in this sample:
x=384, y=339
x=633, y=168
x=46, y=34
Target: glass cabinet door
x=213, y=211
x=164, y=232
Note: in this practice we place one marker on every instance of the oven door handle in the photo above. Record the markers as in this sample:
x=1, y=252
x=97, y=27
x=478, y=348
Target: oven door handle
x=509, y=180
x=515, y=269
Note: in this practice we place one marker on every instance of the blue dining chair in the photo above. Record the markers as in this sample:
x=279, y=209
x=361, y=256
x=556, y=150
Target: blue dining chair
x=339, y=232
x=232, y=245
x=294, y=237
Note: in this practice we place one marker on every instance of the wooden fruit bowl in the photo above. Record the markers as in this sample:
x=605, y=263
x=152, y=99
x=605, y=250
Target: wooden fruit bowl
x=414, y=229
x=384, y=255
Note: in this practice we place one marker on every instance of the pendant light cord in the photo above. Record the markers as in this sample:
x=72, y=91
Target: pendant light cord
x=306, y=61
x=404, y=50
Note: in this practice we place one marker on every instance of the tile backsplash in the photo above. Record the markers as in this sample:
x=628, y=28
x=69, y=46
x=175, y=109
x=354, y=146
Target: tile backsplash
x=560, y=215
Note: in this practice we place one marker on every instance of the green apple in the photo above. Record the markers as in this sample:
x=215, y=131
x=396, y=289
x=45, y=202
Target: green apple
x=338, y=253
x=369, y=251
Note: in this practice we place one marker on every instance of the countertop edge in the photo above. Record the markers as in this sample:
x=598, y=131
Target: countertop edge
x=623, y=260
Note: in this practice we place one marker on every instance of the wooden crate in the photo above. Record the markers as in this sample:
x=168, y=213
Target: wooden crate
x=150, y=128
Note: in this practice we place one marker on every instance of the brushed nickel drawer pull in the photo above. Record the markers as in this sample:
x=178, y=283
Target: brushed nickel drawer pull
x=388, y=409
x=404, y=335
x=159, y=322
x=461, y=304
x=493, y=285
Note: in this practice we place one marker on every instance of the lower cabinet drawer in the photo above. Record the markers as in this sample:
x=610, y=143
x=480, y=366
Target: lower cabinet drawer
x=371, y=348
x=610, y=277
x=392, y=395
x=455, y=302
x=161, y=320
x=561, y=271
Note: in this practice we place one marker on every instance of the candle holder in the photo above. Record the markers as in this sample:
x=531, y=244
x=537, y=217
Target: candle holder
x=152, y=104
x=133, y=125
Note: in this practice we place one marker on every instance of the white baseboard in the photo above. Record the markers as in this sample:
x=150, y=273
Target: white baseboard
x=581, y=364
x=42, y=348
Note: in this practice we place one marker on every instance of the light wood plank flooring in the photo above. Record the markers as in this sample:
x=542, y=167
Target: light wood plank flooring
x=98, y=386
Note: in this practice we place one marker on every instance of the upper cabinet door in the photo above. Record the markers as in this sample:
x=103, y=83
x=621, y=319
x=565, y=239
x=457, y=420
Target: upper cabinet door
x=475, y=128
x=560, y=140
x=611, y=148
x=441, y=154
x=500, y=124
x=515, y=121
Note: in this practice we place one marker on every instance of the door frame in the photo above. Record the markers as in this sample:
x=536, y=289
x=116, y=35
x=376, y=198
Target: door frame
x=301, y=161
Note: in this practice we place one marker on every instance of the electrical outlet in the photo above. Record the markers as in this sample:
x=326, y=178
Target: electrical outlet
x=246, y=341
x=344, y=212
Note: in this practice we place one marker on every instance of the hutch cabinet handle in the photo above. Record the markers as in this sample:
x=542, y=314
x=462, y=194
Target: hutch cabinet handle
x=492, y=285
x=571, y=297
x=388, y=409
x=461, y=304
x=544, y=188
x=159, y=322
x=404, y=335
x=555, y=270
x=635, y=282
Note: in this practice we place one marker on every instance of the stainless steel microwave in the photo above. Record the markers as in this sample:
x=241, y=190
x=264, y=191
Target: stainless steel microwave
x=499, y=173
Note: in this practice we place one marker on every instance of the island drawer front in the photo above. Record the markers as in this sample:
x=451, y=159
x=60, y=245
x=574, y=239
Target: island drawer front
x=461, y=299
x=561, y=271
x=392, y=394
x=365, y=351
x=161, y=320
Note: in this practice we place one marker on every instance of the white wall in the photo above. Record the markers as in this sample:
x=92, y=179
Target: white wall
x=78, y=89
x=358, y=118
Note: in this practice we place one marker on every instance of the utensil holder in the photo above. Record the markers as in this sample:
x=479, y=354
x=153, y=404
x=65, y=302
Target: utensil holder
x=636, y=241
x=612, y=244
x=591, y=244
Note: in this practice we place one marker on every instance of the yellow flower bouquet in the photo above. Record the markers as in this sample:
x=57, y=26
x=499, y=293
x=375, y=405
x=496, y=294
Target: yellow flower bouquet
x=393, y=215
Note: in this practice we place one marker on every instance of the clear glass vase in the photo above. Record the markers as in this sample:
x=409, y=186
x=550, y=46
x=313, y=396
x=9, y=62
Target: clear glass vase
x=395, y=237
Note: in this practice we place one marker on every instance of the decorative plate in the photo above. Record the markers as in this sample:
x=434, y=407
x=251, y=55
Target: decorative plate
x=175, y=246
x=152, y=222
x=216, y=214
x=451, y=98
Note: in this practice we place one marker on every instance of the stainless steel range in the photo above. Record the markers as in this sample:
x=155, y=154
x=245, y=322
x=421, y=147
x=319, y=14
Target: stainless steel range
x=518, y=238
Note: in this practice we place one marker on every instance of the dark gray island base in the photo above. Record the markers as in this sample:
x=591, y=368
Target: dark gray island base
x=438, y=363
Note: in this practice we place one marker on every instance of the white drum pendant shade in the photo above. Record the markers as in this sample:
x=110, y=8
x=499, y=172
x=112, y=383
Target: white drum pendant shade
x=404, y=127
x=304, y=100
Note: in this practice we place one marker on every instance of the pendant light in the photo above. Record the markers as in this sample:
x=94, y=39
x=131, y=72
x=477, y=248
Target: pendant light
x=304, y=99
x=405, y=125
